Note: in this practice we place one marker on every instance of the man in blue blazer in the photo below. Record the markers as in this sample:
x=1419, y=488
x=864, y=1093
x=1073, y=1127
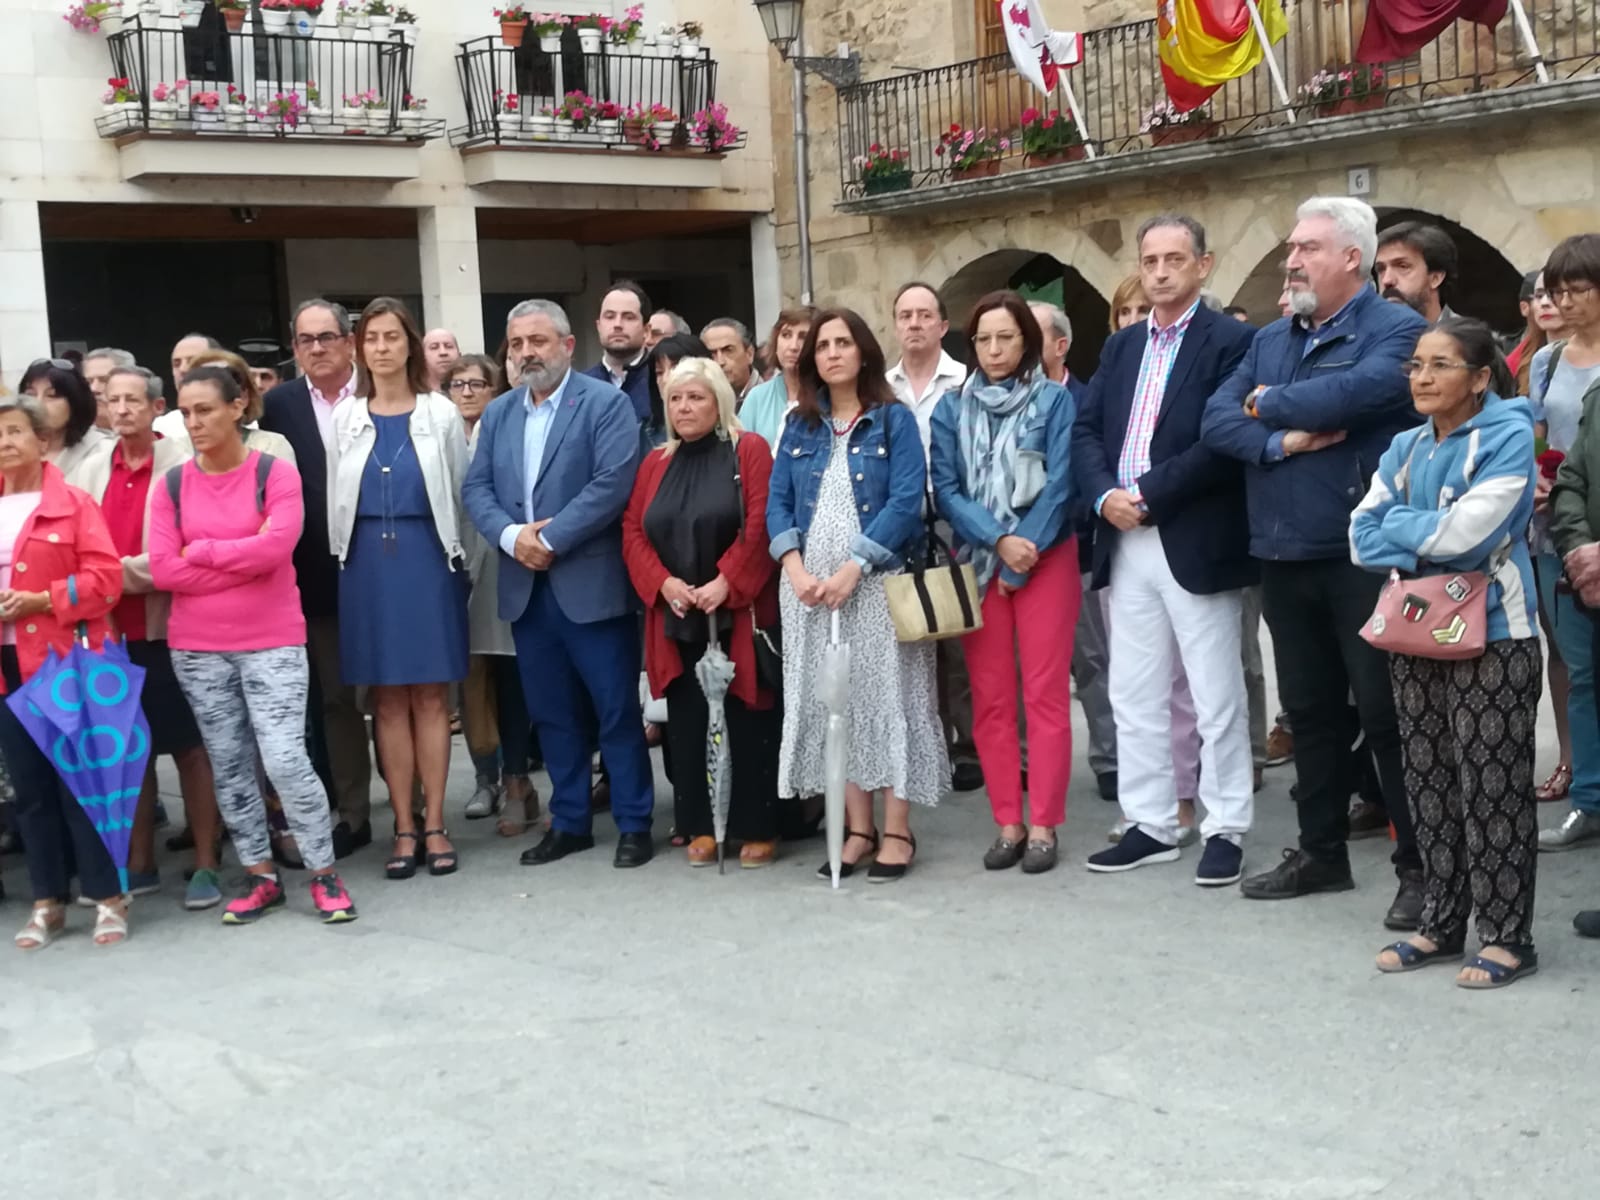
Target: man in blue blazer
x=623, y=328
x=1171, y=543
x=1312, y=407
x=548, y=485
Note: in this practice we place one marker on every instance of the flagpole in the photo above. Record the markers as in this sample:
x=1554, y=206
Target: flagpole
x=1521, y=17
x=1272, y=59
x=1077, y=114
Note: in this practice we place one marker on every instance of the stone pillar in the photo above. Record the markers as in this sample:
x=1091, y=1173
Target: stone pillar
x=24, y=317
x=766, y=278
x=452, y=297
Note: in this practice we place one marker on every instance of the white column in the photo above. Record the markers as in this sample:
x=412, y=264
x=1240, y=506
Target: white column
x=766, y=278
x=452, y=296
x=24, y=318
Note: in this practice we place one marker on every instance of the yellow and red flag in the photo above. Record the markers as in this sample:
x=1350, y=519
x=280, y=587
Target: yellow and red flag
x=1205, y=43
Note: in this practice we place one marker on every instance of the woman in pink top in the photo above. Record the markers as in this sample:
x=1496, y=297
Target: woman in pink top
x=223, y=528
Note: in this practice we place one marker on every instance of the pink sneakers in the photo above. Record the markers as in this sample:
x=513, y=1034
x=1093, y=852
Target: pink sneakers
x=332, y=901
x=258, y=895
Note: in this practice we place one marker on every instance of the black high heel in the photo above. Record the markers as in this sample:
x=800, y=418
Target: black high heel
x=825, y=871
x=883, y=872
x=444, y=862
x=402, y=866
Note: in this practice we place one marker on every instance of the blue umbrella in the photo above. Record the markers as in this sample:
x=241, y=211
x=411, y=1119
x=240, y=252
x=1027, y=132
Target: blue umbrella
x=83, y=711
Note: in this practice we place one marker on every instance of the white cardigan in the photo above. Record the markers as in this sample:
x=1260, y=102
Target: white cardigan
x=440, y=442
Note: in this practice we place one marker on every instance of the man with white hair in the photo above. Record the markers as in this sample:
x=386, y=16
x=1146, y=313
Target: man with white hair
x=440, y=348
x=548, y=486
x=1316, y=401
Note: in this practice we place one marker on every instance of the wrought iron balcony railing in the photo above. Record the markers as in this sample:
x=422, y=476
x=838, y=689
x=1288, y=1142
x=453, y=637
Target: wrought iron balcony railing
x=249, y=83
x=1119, y=85
x=513, y=97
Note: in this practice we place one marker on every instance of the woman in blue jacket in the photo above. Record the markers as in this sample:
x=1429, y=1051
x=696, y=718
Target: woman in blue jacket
x=1002, y=478
x=1456, y=496
x=843, y=511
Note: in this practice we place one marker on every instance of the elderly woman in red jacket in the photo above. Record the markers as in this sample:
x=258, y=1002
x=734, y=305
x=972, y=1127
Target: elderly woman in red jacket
x=58, y=567
x=694, y=538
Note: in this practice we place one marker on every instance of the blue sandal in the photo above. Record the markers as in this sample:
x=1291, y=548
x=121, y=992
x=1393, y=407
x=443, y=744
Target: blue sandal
x=1500, y=975
x=1413, y=957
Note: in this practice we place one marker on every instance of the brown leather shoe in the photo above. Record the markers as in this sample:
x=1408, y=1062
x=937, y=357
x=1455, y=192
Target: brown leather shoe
x=757, y=854
x=703, y=852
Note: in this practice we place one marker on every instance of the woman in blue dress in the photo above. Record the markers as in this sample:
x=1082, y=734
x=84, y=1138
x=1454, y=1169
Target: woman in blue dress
x=394, y=523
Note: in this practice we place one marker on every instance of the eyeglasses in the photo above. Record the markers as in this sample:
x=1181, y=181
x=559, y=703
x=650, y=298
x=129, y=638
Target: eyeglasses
x=1416, y=366
x=327, y=340
x=469, y=385
x=60, y=364
x=1577, y=292
x=1540, y=294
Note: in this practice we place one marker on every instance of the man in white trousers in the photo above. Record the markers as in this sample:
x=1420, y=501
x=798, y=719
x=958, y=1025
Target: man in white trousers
x=1172, y=544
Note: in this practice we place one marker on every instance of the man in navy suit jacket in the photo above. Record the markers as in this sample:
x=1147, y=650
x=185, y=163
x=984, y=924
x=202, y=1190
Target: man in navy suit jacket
x=623, y=327
x=554, y=469
x=1171, y=541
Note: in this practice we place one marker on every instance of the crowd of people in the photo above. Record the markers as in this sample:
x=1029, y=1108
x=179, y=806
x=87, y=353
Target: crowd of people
x=418, y=536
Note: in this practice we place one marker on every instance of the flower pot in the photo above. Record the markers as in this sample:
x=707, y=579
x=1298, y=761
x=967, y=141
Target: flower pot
x=380, y=26
x=540, y=128
x=205, y=118
x=608, y=131
x=378, y=120
x=150, y=14
x=407, y=31
x=164, y=114
x=664, y=131
x=511, y=32
x=233, y=18
x=1051, y=157
x=189, y=12
x=978, y=170
x=563, y=130
x=410, y=120
x=878, y=185
x=233, y=119
x=318, y=120
x=550, y=43
x=348, y=30
x=1352, y=104
x=304, y=24
x=628, y=46
x=688, y=47
x=275, y=20
x=589, y=40
x=667, y=49
x=1171, y=135
x=352, y=118
x=111, y=22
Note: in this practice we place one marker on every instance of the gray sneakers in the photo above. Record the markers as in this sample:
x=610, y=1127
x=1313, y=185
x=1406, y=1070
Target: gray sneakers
x=1579, y=827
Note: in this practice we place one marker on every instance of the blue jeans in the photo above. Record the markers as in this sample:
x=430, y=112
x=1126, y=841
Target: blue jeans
x=1574, y=637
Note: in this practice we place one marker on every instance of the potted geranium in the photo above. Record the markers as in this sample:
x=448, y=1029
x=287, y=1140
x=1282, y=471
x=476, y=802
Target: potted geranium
x=283, y=111
x=883, y=170
x=318, y=118
x=625, y=30
x=1050, y=138
x=120, y=99
x=411, y=110
x=507, y=113
x=608, y=121
x=689, y=35
x=1167, y=126
x=663, y=125
x=971, y=153
x=275, y=15
x=377, y=111
x=380, y=19
x=591, y=31
x=667, y=40
x=513, y=24
x=349, y=16
x=95, y=16
x=189, y=13
x=710, y=128
x=303, y=16
x=234, y=109
x=540, y=123
x=353, y=112
x=164, y=100
x=547, y=28
x=405, y=24
x=205, y=108
x=233, y=13
x=1360, y=88
x=578, y=108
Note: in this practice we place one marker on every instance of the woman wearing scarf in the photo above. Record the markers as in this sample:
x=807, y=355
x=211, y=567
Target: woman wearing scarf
x=1002, y=478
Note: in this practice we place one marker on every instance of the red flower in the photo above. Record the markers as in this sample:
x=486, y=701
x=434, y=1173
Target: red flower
x=1549, y=462
x=1030, y=115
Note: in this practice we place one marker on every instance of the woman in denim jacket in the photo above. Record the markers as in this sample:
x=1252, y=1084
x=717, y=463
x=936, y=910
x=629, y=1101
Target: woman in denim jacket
x=1002, y=478
x=843, y=511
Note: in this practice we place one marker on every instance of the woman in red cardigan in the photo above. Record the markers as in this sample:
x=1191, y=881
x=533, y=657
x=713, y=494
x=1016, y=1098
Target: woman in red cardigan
x=58, y=566
x=694, y=538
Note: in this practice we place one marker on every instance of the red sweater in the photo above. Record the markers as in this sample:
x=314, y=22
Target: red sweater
x=747, y=566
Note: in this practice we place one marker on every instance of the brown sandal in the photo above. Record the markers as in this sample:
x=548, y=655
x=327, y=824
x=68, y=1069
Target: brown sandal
x=519, y=806
x=1557, y=786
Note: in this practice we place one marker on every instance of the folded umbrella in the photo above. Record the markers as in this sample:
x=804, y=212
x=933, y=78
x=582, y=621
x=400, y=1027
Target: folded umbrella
x=833, y=689
x=715, y=673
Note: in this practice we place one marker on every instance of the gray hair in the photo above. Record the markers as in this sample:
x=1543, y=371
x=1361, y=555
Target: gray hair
x=1174, y=220
x=119, y=358
x=152, y=381
x=1060, y=323
x=29, y=406
x=740, y=329
x=341, y=315
x=1354, y=219
x=542, y=308
x=679, y=325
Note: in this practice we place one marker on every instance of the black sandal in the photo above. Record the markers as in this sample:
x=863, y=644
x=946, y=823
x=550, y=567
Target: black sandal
x=402, y=866
x=445, y=861
x=883, y=872
x=825, y=871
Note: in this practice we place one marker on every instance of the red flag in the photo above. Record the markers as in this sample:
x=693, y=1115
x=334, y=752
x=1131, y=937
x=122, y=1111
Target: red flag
x=1399, y=28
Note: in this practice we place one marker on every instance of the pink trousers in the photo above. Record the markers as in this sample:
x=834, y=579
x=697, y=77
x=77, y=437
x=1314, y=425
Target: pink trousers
x=1028, y=632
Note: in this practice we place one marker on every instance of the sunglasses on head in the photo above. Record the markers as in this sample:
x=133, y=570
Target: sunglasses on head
x=60, y=364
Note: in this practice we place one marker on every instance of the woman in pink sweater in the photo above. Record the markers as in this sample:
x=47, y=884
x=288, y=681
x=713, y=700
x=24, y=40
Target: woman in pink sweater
x=223, y=528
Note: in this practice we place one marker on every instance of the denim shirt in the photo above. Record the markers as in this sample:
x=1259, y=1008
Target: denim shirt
x=888, y=474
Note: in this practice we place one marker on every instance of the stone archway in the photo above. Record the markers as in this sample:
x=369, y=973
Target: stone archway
x=1038, y=277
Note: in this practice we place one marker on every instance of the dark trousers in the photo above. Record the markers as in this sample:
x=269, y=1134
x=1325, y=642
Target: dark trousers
x=511, y=716
x=57, y=834
x=1468, y=732
x=753, y=739
x=1315, y=610
x=566, y=666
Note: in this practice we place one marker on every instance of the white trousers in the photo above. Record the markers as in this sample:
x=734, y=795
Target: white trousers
x=1154, y=625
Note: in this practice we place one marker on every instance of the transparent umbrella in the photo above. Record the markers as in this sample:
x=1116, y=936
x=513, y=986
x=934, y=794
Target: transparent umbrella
x=833, y=689
x=715, y=673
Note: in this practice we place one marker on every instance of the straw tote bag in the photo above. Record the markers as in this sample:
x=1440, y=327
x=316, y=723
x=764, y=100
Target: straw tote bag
x=936, y=598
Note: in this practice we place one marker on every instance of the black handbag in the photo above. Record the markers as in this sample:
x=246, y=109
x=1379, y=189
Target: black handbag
x=769, y=653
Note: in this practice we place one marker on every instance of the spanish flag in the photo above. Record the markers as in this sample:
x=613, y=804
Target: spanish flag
x=1205, y=43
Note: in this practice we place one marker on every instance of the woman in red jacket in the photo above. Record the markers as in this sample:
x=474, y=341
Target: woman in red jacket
x=694, y=538
x=58, y=567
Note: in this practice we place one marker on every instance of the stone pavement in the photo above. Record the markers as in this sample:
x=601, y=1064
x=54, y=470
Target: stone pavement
x=577, y=1032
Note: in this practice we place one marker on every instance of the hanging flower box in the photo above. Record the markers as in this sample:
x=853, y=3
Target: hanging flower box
x=1172, y=135
x=1051, y=157
x=1349, y=105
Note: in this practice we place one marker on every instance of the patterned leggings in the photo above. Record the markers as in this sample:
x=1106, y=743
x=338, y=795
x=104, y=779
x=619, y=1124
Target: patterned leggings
x=1467, y=737
x=257, y=698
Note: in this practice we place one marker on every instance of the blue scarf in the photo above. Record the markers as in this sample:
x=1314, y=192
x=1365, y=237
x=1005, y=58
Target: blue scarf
x=1002, y=439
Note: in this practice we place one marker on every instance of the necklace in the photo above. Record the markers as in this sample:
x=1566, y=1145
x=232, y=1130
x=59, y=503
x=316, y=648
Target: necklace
x=851, y=424
x=389, y=538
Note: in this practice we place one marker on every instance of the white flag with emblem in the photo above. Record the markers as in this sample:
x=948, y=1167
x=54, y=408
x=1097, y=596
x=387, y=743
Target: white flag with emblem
x=1038, y=51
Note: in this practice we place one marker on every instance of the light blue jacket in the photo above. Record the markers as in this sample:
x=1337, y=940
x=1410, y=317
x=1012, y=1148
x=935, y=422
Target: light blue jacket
x=1462, y=504
x=765, y=408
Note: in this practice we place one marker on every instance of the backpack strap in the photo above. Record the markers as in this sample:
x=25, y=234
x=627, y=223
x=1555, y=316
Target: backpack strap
x=263, y=469
x=1550, y=367
x=174, y=482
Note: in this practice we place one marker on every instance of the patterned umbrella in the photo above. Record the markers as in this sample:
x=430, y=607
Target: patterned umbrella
x=715, y=673
x=833, y=689
x=83, y=712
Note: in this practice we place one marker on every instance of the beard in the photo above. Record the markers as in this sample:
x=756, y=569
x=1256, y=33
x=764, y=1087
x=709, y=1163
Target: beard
x=1302, y=298
x=540, y=376
x=1416, y=303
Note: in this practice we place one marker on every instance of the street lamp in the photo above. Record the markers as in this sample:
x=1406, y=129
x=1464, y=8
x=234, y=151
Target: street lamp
x=783, y=22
